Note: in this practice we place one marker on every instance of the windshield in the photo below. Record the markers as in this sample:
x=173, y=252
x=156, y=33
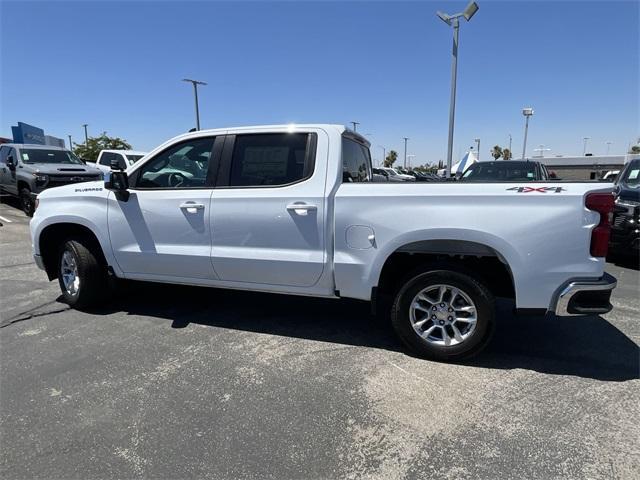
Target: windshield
x=632, y=175
x=391, y=172
x=503, y=171
x=41, y=155
x=133, y=158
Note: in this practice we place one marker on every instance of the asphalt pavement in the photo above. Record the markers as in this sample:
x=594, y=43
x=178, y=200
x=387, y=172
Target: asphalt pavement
x=181, y=382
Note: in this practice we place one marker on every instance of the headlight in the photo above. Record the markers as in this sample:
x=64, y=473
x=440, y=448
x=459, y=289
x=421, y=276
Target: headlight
x=41, y=179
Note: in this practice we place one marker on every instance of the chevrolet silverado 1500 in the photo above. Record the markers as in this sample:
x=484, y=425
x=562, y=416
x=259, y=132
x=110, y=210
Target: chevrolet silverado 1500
x=291, y=209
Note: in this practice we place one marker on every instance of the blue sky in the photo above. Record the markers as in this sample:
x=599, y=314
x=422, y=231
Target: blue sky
x=117, y=66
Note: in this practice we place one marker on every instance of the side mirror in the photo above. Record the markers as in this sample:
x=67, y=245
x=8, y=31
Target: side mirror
x=117, y=164
x=11, y=163
x=118, y=182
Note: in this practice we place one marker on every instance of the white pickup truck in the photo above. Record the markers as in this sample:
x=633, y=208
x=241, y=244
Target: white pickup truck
x=291, y=209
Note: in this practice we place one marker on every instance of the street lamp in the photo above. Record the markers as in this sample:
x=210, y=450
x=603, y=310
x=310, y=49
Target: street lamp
x=384, y=155
x=584, y=151
x=195, y=84
x=453, y=21
x=355, y=125
x=477, y=140
x=527, y=112
x=86, y=137
x=409, y=157
x=70, y=144
x=405, y=152
x=510, y=142
x=608, y=146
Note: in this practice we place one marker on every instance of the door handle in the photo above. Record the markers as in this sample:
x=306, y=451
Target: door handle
x=301, y=208
x=192, y=207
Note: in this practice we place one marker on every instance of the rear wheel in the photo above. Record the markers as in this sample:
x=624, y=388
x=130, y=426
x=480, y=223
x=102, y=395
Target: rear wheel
x=27, y=202
x=83, y=281
x=444, y=315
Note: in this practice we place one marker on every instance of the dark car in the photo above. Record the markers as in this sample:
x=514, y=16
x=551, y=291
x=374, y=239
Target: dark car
x=625, y=232
x=506, y=171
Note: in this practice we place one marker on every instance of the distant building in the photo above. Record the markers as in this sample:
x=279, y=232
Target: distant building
x=25, y=133
x=584, y=167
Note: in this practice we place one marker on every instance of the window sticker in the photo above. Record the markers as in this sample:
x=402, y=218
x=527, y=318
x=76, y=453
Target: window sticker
x=633, y=174
x=529, y=174
x=25, y=157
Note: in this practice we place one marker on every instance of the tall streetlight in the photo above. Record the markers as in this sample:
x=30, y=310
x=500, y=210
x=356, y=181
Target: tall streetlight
x=70, y=144
x=384, y=154
x=86, y=136
x=510, y=139
x=584, y=150
x=477, y=140
x=355, y=125
x=527, y=112
x=453, y=21
x=409, y=157
x=608, y=146
x=405, y=152
x=195, y=84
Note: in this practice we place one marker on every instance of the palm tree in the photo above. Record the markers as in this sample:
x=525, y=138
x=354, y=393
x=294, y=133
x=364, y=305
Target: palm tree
x=391, y=158
x=496, y=152
x=506, y=154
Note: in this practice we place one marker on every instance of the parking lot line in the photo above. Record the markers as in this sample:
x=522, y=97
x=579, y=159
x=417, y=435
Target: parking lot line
x=2, y=219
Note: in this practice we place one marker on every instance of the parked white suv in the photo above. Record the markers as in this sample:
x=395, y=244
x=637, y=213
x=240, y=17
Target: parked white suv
x=125, y=158
x=292, y=210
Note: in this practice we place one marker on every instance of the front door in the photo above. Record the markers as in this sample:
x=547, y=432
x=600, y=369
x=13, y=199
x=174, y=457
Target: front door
x=268, y=212
x=162, y=229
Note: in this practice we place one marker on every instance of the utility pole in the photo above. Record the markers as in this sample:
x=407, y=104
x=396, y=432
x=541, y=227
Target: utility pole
x=405, y=152
x=453, y=21
x=527, y=112
x=86, y=136
x=355, y=125
x=195, y=84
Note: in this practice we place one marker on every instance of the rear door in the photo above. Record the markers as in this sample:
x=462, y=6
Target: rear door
x=163, y=229
x=268, y=210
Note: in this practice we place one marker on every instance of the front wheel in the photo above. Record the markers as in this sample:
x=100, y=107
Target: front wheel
x=83, y=281
x=27, y=202
x=444, y=315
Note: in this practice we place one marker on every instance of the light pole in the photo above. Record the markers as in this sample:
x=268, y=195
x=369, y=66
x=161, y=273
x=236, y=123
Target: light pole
x=409, y=157
x=195, y=84
x=86, y=136
x=510, y=139
x=527, y=112
x=453, y=21
x=541, y=149
x=355, y=125
x=70, y=144
x=608, y=146
x=477, y=140
x=584, y=151
x=405, y=152
x=384, y=154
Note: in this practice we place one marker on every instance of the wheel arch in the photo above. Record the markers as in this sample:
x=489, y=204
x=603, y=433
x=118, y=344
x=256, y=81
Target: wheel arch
x=483, y=259
x=51, y=237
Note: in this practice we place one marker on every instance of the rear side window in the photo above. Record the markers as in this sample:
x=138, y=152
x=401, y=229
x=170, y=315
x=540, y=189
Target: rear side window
x=355, y=162
x=271, y=159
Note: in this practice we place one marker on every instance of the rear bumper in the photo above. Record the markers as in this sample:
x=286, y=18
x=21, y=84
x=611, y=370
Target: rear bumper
x=585, y=297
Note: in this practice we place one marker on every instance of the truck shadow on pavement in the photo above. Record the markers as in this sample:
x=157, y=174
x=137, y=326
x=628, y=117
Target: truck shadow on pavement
x=589, y=347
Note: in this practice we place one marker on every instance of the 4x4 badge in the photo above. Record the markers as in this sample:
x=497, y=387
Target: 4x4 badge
x=538, y=189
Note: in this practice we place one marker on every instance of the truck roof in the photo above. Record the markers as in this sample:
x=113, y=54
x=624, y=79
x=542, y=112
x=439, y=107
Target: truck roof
x=126, y=152
x=33, y=145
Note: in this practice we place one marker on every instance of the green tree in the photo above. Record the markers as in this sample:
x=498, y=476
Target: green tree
x=635, y=149
x=91, y=150
x=506, y=154
x=391, y=158
x=496, y=152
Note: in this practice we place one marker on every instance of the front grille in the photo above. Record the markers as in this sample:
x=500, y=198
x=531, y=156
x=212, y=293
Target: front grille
x=59, y=180
x=619, y=221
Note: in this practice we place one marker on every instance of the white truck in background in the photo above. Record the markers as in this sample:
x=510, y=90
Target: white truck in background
x=125, y=159
x=291, y=209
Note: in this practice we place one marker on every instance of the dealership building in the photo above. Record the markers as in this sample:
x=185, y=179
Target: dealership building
x=585, y=167
x=25, y=133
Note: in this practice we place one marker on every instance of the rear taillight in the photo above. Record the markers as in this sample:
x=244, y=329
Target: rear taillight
x=602, y=203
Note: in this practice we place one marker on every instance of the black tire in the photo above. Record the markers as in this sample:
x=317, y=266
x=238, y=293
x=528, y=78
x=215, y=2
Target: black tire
x=27, y=202
x=93, y=286
x=478, y=337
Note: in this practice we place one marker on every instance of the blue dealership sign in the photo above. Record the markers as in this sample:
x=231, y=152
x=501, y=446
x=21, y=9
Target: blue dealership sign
x=25, y=133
